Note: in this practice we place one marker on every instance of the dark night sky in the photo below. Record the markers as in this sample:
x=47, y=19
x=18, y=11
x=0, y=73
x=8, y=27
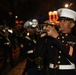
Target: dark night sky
x=27, y=9
x=31, y=8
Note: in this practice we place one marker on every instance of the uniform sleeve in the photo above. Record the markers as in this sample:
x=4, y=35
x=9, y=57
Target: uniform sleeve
x=40, y=48
x=68, y=50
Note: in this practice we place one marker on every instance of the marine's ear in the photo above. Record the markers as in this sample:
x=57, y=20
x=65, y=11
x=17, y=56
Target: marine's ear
x=72, y=24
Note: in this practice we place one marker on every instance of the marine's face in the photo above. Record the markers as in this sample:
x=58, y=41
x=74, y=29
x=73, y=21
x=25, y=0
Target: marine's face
x=31, y=31
x=66, y=26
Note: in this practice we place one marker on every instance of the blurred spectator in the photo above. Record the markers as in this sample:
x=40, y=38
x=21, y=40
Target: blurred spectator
x=7, y=42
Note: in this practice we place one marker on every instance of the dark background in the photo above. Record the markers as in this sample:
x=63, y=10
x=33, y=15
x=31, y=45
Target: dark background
x=26, y=9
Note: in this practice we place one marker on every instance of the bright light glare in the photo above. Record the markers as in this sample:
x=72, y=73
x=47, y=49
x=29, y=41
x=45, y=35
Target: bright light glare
x=66, y=5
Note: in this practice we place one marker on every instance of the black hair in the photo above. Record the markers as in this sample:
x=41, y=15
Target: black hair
x=65, y=18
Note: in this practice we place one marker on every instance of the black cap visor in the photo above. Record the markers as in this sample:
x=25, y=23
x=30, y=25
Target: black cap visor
x=65, y=18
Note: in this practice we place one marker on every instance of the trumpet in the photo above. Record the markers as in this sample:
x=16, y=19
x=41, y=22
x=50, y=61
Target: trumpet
x=33, y=24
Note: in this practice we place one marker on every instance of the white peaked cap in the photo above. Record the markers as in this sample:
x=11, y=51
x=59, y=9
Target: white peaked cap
x=67, y=13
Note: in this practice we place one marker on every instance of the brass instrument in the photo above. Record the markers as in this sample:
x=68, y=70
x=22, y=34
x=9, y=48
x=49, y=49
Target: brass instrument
x=33, y=24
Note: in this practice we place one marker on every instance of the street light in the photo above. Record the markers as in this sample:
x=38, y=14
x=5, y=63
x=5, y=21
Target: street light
x=68, y=5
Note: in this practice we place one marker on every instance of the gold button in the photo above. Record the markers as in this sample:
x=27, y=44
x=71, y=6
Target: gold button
x=58, y=37
x=66, y=34
x=66, y=44
x=56, y=66
x=62, y=40
x=51, y=46
x=58, y=62
x=59, y=51
x=59, y=56
x=63, y=37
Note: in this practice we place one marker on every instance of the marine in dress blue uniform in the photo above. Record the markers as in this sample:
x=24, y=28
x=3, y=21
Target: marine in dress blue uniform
x=28, y=44
x=28, y=48
x=7, y=42
x=59, y=46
